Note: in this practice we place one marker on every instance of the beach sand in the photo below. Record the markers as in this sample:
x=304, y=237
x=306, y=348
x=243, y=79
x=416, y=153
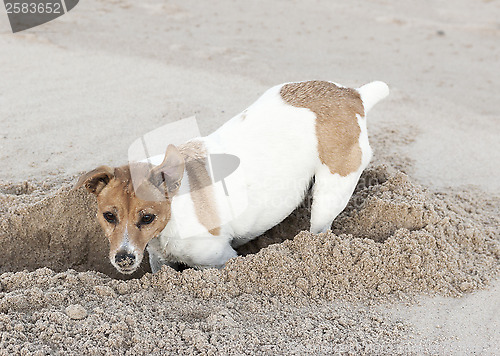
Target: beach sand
x=410, y=267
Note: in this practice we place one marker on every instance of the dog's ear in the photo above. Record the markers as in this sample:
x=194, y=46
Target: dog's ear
x=168, y=174
x=96, y=179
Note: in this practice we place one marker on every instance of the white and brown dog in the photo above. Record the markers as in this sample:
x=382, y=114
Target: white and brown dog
x=294, y=133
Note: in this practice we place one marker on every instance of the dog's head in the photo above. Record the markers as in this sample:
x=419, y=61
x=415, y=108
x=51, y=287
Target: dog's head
x=133, y=215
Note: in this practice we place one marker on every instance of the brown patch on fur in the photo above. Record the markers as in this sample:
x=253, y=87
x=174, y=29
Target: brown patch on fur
x=200, y=184
x=337, y=127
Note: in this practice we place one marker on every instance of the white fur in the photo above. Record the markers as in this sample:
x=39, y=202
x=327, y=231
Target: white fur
x=372, y=93
x=278, y=149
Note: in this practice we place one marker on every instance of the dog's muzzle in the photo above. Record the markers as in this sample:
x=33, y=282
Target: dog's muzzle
x=124, y=260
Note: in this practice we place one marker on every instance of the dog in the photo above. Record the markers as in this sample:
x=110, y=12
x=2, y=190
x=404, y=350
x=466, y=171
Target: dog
x=293, y=135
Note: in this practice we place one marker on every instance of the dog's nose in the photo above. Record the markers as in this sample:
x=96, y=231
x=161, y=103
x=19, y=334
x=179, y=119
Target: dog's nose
x=124, y=260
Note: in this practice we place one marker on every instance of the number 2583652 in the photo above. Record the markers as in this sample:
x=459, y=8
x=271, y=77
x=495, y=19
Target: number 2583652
x=32, y=8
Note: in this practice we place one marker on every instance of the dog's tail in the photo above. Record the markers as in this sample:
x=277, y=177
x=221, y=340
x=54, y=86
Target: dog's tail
x=372, y=93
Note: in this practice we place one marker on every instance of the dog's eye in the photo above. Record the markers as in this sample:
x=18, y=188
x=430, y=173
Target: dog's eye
x=147, y=219
x=110, y=217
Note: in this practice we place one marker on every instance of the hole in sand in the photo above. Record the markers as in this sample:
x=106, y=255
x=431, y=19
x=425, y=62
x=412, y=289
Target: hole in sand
x=60, y=231
x=57, y=229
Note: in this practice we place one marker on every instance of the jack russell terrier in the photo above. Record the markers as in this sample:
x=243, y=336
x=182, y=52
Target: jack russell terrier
x=294, y=134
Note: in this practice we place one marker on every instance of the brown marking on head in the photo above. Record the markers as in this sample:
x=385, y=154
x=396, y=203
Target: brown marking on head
x=201, y=188
x=128, y=221
x=337, y=126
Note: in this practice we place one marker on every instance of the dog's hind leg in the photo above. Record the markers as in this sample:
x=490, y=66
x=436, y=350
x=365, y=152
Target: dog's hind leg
x=331, y=193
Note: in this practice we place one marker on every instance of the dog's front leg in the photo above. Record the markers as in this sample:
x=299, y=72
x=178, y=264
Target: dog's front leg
x=156, y=259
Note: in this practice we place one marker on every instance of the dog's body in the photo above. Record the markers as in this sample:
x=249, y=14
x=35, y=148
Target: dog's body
x=292, y=134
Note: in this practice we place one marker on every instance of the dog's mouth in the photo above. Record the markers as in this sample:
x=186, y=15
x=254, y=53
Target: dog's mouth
x=129, y=270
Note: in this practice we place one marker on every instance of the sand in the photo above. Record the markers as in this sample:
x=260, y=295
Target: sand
x=287, y=292
x=410, y=267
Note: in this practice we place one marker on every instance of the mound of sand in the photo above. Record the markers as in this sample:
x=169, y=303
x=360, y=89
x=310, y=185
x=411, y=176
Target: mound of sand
x=285, y=293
